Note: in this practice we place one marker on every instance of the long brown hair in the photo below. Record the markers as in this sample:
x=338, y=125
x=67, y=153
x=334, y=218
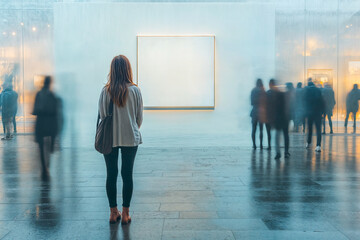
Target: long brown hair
x=119, y=77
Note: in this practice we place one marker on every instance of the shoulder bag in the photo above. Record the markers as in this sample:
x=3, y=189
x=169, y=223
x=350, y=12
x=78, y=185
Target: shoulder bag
x=104, y=132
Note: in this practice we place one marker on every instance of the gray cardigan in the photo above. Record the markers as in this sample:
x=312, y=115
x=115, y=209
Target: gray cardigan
x=126, y=120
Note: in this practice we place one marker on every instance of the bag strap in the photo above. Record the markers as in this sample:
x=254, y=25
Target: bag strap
x=111, y=106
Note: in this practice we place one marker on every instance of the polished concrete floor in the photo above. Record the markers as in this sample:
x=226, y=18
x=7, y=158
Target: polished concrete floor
x=184, y=192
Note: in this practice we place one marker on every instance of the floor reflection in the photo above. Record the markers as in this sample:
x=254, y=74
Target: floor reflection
x=186, y=193
x=126, y=232
x=9, y=180
x=47, y=215
x=308, y=187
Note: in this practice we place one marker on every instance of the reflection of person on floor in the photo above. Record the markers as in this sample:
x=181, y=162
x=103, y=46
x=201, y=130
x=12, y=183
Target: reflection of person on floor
x=258, y=101
x=46, y=127
x=329, y=101
x=352, y=105
x=299, y=108
x=9, y=107
x=314, y=108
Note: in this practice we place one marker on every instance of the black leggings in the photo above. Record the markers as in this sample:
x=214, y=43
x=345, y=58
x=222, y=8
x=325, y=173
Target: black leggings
x=253, y=132
x=127, y=163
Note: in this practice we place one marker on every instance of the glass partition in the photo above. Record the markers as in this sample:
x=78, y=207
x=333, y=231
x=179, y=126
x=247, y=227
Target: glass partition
x=26, y=51
x=313, y=38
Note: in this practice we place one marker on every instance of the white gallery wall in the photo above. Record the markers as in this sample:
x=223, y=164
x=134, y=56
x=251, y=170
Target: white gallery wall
x=87, y=37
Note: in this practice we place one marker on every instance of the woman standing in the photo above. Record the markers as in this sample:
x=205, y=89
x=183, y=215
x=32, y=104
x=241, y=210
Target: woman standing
x=258, y=112
x=127, y=118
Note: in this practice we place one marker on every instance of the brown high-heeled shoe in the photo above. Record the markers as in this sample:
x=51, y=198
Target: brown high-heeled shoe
x=125, y=218
x=115, y=215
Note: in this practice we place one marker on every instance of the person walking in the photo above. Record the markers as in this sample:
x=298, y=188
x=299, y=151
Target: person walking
x=352, y=105
x=46, y=126
x=290, y=101
x=270, y=109
x=329, y=101
x=125, y=97
x=9, y=107
x=281, y=120
x=299, y=108
x=258, y=101
x=314, y=108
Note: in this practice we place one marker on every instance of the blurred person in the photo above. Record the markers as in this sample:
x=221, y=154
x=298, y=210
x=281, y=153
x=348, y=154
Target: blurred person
x=127, y=119
x=14, y=118
x=258, y=101
x=314, y=108
x=352, y=105
x=16, y=72
x=299, y=108
x=60, y=115
x=9, y=79
x=281, y=120
x=329, y=102
x=290, y=101
x=60, y=123
x=270, y=109
x=9, y=107
x=46, y=125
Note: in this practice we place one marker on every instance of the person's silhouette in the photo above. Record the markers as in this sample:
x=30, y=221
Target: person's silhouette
x=270, y=109
x=258, y=100
x=46, y=126
x=352, y=105
x=299, y=108
x=314, y=107
x=329, y=101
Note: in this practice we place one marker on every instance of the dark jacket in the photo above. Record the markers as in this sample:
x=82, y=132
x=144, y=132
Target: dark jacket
x=258, y=101
x=313, y=101
x=352, y=101
x=299, y=102
x=270, y=106
x=290, y=103
x=45, y=108
x=8, y=103
x=277, y=113
x=329, y=99
x=281, y=110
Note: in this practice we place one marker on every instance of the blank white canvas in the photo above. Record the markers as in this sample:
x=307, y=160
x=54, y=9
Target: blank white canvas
x=176, y=72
